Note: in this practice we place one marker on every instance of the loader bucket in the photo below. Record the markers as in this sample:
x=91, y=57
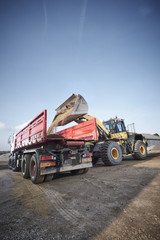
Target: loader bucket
x=74, y=107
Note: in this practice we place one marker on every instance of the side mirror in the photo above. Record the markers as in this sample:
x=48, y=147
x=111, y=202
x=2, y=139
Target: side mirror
x=9, y=140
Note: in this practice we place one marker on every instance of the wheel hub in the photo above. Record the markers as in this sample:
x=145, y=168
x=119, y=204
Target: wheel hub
x=115, y=153
x=142, y=150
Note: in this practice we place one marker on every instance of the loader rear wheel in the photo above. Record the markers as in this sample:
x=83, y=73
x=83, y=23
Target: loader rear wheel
x=25, y=166
x=140, y=150
x=35, y=171
x=111, y=153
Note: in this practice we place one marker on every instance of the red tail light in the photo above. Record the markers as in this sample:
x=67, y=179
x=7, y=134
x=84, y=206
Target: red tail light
x=88, y=155
x=43, y=158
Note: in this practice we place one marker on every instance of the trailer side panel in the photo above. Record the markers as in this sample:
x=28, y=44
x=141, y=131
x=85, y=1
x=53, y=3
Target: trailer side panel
x=34, y=132
x=86, y=131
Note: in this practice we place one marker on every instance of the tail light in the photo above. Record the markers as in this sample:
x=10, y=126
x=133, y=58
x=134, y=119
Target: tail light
x=46, y=158
x=49, y=161
x=87, y=155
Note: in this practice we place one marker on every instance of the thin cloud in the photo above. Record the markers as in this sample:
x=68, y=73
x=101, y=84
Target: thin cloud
x=13, y=128
x=19, y=127
x=145, y=11
x=45, y=18
x=82, y=20
x=2, y=126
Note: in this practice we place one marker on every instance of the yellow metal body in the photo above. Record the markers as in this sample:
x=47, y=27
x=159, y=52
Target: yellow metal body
x=121, y=135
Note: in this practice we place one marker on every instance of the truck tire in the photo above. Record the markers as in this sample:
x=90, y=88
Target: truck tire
x=34, y=170
x=140, y=150
x=10, y=163
x=111, y=153
x=25, y=166
x=79, y=171
x=14, y=165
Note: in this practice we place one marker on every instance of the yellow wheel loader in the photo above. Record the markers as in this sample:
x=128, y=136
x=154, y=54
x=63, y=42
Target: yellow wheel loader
x=131, y=142
x=113, y=139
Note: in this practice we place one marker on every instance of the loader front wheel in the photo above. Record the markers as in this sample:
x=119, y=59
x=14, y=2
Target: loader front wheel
x=35, y=171
x=140, y=150
x=111, y=153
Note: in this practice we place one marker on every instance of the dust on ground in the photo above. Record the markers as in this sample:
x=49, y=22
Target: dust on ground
x=120, y=202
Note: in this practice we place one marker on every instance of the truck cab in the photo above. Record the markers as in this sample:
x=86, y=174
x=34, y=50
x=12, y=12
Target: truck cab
x=11, y=141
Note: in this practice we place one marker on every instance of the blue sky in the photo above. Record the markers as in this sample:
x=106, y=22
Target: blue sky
x=107, y=51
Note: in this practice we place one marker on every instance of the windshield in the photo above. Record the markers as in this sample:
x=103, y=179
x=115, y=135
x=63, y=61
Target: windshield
x=117, y=126
x=121, y=127
x=109, y=125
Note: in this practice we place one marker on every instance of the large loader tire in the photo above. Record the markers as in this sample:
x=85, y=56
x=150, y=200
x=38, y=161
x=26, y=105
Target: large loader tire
x=25, y=165
x=111, y=153
x=35, y=171
x=95, y=158
x=140, y=150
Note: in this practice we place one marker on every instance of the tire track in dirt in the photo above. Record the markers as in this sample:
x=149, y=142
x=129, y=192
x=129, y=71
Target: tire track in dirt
x=61, y=206
x=39, y=199
x=68, y=212
x=30, y=196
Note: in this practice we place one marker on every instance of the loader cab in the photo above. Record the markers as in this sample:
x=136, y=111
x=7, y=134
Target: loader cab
x=116, y=128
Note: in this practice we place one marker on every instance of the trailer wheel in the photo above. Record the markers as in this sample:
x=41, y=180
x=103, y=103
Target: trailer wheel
x=14, y=165
x=25, y=166
x=10, y=162
x=34, y=170
x=140, y=150
x=79, y=171
x=111, y=153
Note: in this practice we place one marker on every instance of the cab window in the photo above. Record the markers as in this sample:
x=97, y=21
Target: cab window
x=109, y=125
x=121, y=127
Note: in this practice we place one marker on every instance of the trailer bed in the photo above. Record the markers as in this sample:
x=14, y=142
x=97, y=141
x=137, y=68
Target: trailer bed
x=35, y=133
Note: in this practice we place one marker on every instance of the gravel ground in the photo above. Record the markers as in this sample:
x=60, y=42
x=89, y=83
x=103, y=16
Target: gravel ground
x=120, y=202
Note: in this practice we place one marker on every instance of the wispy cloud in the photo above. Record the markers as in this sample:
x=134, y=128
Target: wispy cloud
x=82, y=20
x=145, y=11
x=45, y=18
x=2, y=126
x=19, y=127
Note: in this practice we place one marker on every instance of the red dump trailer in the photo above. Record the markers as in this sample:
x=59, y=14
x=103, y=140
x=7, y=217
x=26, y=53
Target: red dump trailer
x=39, y=155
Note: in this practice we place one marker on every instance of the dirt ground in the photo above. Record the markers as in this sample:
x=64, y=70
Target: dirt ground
x=120, y=202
